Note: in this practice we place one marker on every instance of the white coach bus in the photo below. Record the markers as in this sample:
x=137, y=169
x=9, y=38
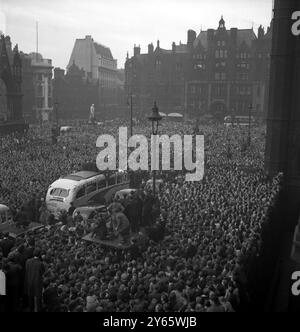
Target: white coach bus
x=83, y=188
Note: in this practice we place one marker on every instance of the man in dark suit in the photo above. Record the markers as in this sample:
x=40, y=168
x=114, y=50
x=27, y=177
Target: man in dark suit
x=6, y=244
x=34, y=281
x=29, y=249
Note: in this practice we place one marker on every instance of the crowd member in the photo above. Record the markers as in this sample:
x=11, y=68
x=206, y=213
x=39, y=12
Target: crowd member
x=212, y=228
x=34, y=281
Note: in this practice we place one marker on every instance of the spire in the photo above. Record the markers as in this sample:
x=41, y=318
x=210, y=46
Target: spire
x=222, y=23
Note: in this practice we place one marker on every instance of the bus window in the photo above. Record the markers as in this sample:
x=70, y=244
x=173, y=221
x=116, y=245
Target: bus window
x=91, y=188
x=55, y=192
x=101, y=184
x=81, y=192
x=64, y=193
x=59, y=192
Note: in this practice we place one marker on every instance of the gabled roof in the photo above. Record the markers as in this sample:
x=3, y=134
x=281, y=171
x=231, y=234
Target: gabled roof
x=104, y=51
x=246, y=35
x=182, y=48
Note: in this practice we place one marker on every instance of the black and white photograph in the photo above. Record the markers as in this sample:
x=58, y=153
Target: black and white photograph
x=149, y=159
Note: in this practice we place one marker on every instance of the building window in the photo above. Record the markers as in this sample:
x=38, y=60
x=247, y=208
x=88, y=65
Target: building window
x=218, y=91
x=39, y=102
x=178, y=67
x=49, y=90
x=223, y=43
x=223, y=76
x=217, y=54
x=193, y=89
x=225, y=54
x=258, y=91
x=158, y=63
x=219, y=43
x=199, y=65
x=221, y=54
x=39, y=90
x=217, y=76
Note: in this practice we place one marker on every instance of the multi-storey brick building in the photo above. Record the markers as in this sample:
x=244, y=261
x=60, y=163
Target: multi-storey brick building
x=218, y=72
x=159, y=75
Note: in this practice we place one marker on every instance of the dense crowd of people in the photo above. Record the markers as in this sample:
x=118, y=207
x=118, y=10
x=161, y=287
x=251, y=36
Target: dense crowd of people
x=211, y=229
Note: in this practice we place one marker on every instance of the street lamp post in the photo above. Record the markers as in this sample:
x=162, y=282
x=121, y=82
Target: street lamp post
x=131, y=116
x=56, y=112
x=249, y=125
x=154, y=118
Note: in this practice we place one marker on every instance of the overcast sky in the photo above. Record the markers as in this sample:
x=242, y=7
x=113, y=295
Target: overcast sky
x=120, y=24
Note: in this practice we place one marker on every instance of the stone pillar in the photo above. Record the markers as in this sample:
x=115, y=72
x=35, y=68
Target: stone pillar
x=281, y=100
x=209, y=97
x=228, y=97
x=283, y=120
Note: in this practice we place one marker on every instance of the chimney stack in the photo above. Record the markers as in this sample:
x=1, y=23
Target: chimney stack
x=136, y=50
x=150, y=48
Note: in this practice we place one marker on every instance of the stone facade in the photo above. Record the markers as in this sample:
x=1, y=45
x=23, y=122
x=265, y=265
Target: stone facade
x=219, y=72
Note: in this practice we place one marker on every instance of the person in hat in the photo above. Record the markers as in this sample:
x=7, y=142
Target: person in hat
x=34, y=281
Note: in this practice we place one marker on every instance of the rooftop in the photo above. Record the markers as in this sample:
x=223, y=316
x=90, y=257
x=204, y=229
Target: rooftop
x=83, y=175
x=104, y=51
x=246, y=35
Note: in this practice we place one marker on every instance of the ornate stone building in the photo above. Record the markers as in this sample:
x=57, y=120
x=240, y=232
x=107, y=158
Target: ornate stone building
x=11, y=82
x=218, y=72
x=40, y=70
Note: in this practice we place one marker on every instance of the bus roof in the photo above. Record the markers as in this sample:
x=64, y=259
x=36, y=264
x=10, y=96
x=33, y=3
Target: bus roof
x=3, y=208
x=82, y=175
